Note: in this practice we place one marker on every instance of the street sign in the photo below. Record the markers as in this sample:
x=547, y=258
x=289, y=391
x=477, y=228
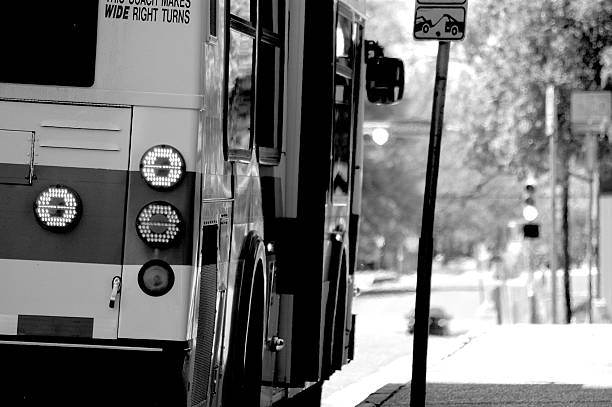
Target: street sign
x=590, y=111
x=442, y=20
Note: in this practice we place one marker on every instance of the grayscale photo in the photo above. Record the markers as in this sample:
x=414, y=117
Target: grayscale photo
x=306, y=203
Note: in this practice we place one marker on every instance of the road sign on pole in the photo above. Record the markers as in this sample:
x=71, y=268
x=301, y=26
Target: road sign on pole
x=442, y=20
x=590, y=110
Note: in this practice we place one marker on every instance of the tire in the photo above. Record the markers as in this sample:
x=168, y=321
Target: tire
x=310, y=397
x=425, y=29
x=454, y=30
x=331, y=308
x=242, y=381
x=340, y=318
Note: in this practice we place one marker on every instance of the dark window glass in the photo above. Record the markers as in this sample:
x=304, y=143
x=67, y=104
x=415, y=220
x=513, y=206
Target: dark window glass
x=271, y=14
x=49, y=43
x=268, y=95
x=239, y=91
x=213, y=18
x=241, y=8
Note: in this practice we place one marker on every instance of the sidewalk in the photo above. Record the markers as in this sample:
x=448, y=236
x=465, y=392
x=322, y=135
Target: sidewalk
x=519, y=365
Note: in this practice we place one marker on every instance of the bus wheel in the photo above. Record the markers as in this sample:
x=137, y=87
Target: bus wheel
x=340, y=318
x=242, y=381
x=310, y=397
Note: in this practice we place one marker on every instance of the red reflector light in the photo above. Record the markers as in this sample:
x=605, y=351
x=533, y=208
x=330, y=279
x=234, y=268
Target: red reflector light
x=156, y=278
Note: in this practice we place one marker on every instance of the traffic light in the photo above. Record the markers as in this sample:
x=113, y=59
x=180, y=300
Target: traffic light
x=531, y=229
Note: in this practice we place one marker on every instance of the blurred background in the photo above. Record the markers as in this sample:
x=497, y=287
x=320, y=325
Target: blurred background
x=495, y=143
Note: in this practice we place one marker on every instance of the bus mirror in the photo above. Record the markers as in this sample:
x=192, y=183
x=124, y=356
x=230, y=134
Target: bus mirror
x=384, y=80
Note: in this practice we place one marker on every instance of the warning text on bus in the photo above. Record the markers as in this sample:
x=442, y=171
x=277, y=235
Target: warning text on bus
x=163, y=11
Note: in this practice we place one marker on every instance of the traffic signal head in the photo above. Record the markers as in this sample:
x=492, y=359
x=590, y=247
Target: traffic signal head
x=529, y=192
x=530, y=212
x=531, y=230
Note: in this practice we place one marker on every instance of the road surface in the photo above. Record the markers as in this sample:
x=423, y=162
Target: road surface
x=383, y=347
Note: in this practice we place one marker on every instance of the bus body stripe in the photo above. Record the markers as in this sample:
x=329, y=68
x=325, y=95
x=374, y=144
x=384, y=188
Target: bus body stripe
x=98, y=238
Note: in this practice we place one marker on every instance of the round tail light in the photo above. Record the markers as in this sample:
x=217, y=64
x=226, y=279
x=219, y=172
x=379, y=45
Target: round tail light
x=162, y=167
x=58, y=208
x=156, y=278
x=159, y=224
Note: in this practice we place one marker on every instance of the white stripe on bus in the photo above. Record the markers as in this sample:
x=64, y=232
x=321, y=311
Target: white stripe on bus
x=79, y=345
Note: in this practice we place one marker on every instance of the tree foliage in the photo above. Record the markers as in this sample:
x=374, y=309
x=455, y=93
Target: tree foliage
x=494, y=115
x=518, y=48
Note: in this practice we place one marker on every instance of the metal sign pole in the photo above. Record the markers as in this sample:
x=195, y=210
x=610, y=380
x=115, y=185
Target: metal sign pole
x=423, y=288
x=551, y=130
x=591, y=159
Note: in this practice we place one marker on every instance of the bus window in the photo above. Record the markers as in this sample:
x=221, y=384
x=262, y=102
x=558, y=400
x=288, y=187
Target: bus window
x=344, y=41
x=344, y=105
x=268, y=106
x=242, y=9
x=342, y=139
x=212, y=20
x=255, y=91
x=271, y=15
x=270, y=75
x=55, y=46
x=239, y=90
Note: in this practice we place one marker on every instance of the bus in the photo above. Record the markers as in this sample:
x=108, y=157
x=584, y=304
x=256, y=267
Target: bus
x=179, y=198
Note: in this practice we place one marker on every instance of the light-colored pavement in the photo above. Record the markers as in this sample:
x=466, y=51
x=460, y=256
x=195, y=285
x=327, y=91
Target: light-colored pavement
x=383, y=347
x=397, y=371
x=519, y=365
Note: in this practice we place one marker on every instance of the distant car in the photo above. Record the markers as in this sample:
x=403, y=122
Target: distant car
x=385, y=277
x=453, y=26
x=422, y=24
x=439, y=321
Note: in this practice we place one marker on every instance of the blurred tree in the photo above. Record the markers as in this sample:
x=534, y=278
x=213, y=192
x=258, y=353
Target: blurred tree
x=521, y=47
x=518, y=48
x=393, y=195
x=495, y=113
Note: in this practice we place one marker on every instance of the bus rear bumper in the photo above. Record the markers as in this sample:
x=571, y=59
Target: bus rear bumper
x=39, y=372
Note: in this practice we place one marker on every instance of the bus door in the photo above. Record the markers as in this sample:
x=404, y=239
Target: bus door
x=62, y=207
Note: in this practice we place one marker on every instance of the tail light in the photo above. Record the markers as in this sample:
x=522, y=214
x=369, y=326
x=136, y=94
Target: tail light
x=159, y=224
x=162, y=167
x=58, y=208
x=156, y=278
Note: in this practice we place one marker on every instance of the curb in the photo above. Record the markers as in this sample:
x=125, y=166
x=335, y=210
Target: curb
x=381, y=395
